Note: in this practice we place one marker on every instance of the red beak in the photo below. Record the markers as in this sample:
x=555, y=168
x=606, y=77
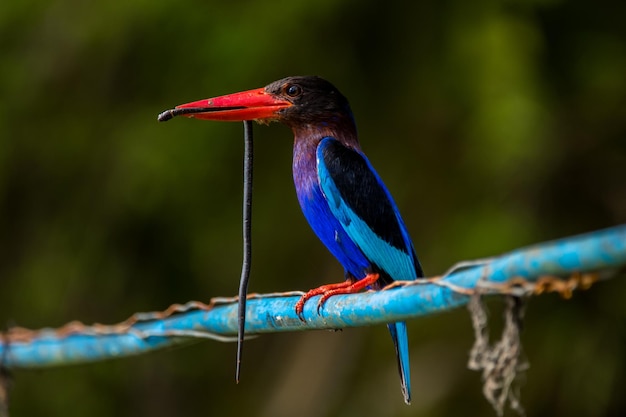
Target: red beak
x=248, y=105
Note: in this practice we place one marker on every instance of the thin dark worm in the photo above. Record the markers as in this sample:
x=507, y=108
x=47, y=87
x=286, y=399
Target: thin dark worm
x=247, y=216
x=247, y=240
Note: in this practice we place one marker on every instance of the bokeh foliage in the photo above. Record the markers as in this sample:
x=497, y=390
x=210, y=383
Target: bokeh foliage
x=495, y=124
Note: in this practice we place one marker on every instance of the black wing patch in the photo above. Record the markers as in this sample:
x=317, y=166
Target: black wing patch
x=363, y=192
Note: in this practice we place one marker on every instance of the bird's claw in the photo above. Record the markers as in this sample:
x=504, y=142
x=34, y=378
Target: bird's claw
x=320, y=304
x=300, y=308
x=325, y=290
x=349, y=286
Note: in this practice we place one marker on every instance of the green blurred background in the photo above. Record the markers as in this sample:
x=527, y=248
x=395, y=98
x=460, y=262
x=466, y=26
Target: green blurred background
x=495, y=124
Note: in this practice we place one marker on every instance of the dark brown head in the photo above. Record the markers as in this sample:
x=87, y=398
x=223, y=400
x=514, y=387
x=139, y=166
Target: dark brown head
x=313, y=101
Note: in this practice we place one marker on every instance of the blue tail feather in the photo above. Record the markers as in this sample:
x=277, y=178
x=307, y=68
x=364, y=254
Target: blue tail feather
x=401, y=342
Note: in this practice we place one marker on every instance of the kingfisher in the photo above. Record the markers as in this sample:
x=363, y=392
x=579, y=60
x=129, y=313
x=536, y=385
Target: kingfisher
x=342, y=197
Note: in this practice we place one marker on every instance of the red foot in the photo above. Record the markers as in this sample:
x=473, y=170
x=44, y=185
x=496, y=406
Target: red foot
x=350, y=286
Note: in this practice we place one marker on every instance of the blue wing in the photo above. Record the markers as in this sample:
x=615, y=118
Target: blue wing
x=360, y=201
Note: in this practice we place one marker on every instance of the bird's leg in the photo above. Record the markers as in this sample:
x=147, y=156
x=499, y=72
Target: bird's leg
x=324, y=289
x=351, y=288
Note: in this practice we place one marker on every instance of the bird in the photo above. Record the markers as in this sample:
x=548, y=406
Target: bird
x=341, y=195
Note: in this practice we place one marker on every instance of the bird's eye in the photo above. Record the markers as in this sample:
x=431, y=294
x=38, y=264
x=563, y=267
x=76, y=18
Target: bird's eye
x=293, y=90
